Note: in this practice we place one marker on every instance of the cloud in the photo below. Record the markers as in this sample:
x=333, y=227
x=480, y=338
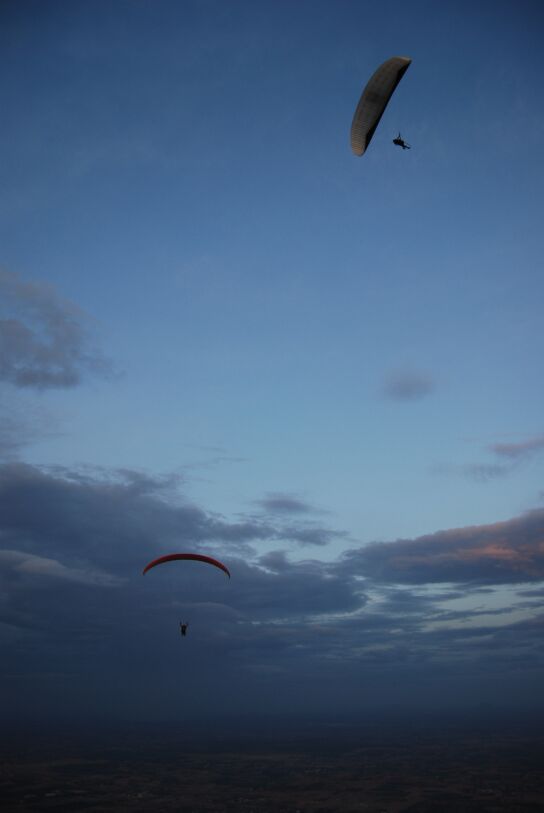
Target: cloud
x=43, y=339
x=479, y=472
x=407, y=385
x=75, y=543
x=311, y=535
x=536, y=593
x=517, y=451
x=483, y=472
x=16, y=564
x=120, y=519
x=282, y=503
x=276, y=636
x=511, y=456
x=287, y=513
x=502, y=553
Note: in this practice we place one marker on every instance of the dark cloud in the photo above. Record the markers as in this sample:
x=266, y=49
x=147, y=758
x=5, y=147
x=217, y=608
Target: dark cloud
x=311, y=535
x=73, y=599
x=213, y=456
x=483, y=472
x=501, y=553
x=536, y=593
x=15, y=564
x=408, y=385
x=276, y=561
x=43, y=339
x=516, y=451
x=511, y=455
x=82, y=629
x=281, y=503
x=479, y=472
x=120, y=518
x=280, y=506
x=115, y=518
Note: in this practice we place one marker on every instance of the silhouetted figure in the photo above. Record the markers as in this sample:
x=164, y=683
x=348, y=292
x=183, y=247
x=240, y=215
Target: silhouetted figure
x=183, y=628
x=400, y=142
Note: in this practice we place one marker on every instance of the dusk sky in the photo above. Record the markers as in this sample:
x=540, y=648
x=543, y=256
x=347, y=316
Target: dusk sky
x=223, y=332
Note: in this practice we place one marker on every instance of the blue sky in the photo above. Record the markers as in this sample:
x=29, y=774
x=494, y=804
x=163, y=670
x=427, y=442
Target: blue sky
x=216, y=315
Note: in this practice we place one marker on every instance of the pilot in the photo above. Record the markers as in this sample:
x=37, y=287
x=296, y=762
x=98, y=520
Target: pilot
x=400, y=142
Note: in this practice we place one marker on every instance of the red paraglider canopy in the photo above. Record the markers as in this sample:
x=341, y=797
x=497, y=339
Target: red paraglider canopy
x=195, y=557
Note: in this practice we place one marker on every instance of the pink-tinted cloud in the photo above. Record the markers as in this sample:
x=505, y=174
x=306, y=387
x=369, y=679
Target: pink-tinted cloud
x=500, y=553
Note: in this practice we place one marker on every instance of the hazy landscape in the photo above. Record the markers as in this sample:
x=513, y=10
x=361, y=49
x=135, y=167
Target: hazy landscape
x=374, y=767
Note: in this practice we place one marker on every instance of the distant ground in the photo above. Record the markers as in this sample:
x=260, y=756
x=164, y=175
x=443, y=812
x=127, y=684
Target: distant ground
x=366, y=768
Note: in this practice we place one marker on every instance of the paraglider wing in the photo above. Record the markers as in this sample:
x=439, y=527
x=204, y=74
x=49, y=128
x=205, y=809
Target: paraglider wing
x=195, y=557
x=374, y=100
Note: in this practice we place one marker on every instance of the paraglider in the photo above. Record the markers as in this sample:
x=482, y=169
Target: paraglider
x=195, y=557
x=374, y=100
x=400, y=142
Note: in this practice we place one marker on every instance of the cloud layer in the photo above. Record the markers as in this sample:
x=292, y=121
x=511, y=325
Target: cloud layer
x=43, y=339
x=509, y=552
x=281, y=632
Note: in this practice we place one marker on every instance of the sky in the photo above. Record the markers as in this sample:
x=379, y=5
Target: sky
x=222, y=332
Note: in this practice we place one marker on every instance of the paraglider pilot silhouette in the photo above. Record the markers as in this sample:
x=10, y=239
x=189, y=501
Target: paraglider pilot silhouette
x=400, y=142
x=183, y=627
